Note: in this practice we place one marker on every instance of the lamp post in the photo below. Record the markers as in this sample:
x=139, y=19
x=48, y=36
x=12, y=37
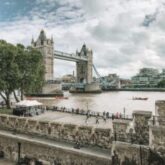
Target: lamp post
x=124, y=112
x=19, y=152
x=140, y=151
x=115, y=135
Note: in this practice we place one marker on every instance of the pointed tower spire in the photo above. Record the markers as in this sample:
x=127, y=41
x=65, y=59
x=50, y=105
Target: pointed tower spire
x=52, y=39
x=42, y=36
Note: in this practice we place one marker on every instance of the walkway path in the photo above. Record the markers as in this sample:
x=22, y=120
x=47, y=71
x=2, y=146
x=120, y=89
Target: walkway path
x=63, y=117
x=5, y=162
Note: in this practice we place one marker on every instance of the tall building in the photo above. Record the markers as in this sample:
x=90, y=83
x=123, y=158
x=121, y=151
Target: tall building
x=148, y=77
x=46, y=47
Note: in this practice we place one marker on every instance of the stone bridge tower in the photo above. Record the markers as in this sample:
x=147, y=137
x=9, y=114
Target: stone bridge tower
x=84, y=68
x=45, y=46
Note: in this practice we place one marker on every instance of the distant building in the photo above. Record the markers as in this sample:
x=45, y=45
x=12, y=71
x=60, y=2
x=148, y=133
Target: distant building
x=69, y=78
x=125, y=83
x=110, y=77
x=110, y=81
x=148, y=77
x=162, y=75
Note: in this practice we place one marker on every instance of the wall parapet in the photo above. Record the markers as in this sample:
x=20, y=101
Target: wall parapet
x=42, y=150
x=85, y=135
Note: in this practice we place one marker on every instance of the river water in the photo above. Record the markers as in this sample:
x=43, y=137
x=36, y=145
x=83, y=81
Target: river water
x=110, y=101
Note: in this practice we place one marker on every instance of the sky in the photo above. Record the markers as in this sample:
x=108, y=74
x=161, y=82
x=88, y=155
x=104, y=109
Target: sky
x=125, y=35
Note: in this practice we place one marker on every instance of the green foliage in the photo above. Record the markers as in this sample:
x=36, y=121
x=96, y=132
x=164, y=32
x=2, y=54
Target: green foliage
x=9, y=70
x=161, y=84
x=30, y=63
x=6, y=111
x=21, y=69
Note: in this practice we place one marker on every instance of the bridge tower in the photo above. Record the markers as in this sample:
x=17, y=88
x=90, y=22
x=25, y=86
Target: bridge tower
x=84, y=68
x=45, y=46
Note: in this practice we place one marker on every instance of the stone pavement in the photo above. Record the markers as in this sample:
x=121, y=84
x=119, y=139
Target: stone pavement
x=6, y=162
x=69, y=118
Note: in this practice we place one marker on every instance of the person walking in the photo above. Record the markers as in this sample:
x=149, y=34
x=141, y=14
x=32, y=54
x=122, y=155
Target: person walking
x=104, y=118
x=97, y=120
x=87, y=117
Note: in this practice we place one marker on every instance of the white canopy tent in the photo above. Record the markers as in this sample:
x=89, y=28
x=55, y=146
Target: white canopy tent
x=28, y=103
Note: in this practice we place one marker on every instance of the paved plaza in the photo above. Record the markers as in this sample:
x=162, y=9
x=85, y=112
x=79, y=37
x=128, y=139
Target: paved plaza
x=6, y=162
x=63, y=117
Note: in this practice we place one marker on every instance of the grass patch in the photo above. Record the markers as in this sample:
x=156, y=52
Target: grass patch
x=6, y=111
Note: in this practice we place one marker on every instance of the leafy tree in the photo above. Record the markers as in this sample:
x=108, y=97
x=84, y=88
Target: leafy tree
x=9, y=72
x=161, y=84
x=31, y=68
x=20, y=69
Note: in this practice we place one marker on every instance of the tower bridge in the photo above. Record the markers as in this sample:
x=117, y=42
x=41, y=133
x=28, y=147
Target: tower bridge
x=83, y=60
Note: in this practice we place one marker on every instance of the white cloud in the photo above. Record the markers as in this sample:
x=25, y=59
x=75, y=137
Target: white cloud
x=113, y=29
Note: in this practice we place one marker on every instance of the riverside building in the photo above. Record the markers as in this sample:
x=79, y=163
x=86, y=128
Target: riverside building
x=148, y=77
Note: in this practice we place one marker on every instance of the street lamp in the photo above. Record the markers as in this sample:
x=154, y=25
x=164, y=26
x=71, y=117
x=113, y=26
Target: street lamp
x=19, y=152
x=140, y=151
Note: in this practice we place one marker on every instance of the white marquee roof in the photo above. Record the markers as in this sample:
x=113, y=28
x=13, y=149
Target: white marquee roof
x=28, y=103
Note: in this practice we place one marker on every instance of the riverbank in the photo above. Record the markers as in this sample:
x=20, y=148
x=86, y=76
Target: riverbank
x=138, y=89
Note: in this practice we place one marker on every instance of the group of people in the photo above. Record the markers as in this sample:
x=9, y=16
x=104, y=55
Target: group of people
x=69, y=110
x=88, y=115
x=98, y=115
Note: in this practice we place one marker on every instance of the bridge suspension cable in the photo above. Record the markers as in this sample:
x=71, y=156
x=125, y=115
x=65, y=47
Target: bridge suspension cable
x=97, y=73
x=105, y=83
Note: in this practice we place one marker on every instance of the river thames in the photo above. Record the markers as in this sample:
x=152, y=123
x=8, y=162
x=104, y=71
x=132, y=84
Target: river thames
x=112, y=102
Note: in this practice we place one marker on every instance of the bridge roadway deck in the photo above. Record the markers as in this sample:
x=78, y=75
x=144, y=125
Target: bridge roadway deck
x=70, y=118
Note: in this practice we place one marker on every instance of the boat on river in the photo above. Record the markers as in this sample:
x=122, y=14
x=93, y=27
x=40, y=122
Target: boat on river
x=139, y=98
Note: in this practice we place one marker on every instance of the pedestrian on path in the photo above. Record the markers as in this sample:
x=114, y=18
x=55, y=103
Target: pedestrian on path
x=97, y=120
x=87, y=117
x=104, y=118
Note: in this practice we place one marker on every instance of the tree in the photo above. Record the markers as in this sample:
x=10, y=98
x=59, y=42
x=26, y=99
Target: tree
x=161, y=84
x=31, y=68
x=20, y=69
x=9, y=72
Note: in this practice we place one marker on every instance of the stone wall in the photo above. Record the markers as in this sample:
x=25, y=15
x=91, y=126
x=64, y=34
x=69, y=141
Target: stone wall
x=49, y=153
x=120, y=129
x=157, y=137
x=141, y=119
x=61, y=132
x=160, y=108
x=125, y=153
x=157, y=130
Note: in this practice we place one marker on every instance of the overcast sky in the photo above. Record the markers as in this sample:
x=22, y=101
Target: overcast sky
x=125, y=35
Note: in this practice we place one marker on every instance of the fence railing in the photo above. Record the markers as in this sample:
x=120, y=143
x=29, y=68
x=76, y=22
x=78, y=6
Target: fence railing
x=91, y=113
